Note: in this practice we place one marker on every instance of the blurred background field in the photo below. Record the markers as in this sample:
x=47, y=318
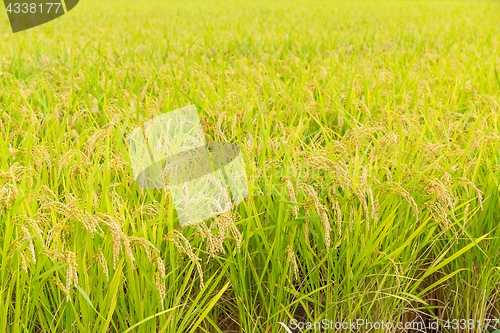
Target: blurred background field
x=370, y=136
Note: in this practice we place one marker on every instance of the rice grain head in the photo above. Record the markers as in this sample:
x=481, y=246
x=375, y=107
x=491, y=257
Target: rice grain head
x=183, y=246
x=292, y=259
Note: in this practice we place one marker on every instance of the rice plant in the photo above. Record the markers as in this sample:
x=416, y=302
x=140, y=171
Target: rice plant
x=370, y=136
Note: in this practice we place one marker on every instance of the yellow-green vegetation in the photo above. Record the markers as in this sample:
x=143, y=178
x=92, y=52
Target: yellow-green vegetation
x=371, y=141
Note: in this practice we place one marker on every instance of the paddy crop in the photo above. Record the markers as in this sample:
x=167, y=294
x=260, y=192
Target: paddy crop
x=370, y=137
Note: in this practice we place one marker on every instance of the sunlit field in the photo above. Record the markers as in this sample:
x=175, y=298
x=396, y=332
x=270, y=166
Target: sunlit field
x=370, y=134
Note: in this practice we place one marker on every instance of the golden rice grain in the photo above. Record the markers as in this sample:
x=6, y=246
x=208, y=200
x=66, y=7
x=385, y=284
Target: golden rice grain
x=291, y=192
x=292, y=259
x=183, y=246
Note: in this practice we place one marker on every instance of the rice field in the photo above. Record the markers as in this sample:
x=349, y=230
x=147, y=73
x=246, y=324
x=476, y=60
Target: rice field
x=370, y=135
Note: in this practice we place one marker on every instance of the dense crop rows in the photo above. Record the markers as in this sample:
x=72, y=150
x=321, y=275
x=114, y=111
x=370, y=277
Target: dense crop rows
x=371, y=140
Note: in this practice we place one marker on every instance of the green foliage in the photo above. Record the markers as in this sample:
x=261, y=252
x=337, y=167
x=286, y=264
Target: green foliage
x=370, y=135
